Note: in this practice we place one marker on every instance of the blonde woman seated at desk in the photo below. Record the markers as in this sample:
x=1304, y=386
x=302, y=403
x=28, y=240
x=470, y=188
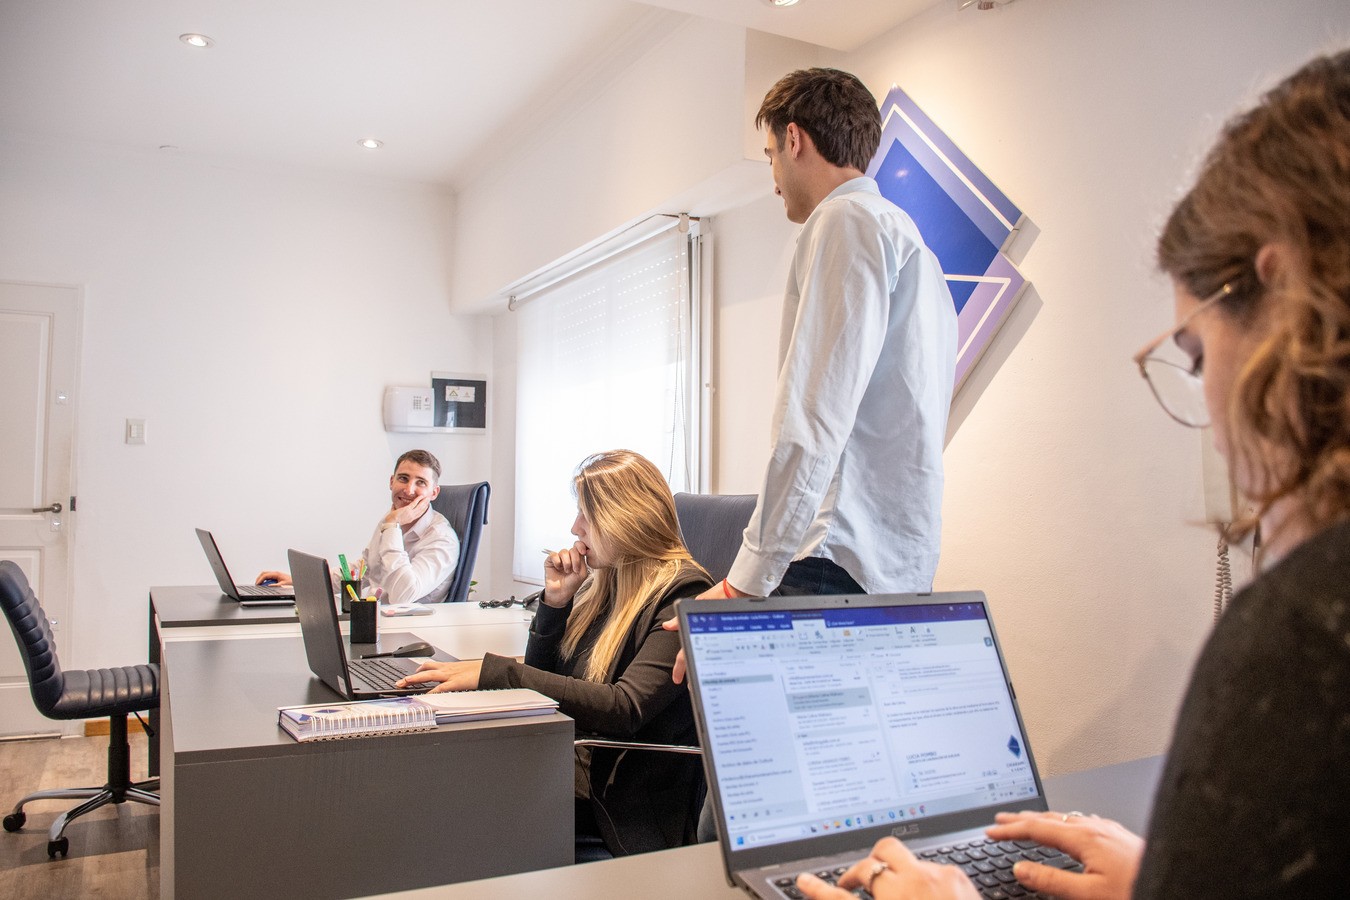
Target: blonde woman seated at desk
x=598, y=648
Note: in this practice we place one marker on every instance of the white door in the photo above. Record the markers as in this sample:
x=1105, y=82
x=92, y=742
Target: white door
x=39, y=347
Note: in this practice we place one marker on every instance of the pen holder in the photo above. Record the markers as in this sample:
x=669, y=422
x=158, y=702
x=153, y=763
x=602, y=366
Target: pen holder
x=363, y=622
x=345, y=597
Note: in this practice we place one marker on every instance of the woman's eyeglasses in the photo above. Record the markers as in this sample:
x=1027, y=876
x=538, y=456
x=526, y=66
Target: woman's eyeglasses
x=1173, y=375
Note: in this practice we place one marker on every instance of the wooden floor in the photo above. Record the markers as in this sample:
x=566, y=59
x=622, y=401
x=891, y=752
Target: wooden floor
x=114, y=851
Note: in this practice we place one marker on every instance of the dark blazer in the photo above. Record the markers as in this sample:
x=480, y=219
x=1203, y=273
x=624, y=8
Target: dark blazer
x=643, y=800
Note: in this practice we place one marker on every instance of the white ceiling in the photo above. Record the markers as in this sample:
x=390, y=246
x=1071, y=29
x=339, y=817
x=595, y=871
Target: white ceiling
x=296, y=83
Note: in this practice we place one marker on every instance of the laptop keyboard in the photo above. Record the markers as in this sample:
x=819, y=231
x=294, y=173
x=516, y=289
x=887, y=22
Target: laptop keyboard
x=382, y=675
x=253, y=590
x=987, y=863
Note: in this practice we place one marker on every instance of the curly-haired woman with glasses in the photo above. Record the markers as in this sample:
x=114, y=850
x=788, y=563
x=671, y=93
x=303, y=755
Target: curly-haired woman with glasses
x=1253, y=799
x=598, y=648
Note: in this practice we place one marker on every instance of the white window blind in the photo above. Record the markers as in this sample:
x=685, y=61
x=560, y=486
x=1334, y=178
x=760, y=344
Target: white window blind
x=605, y=360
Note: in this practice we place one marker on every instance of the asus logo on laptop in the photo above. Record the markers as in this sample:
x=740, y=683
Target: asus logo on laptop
x=905, y=831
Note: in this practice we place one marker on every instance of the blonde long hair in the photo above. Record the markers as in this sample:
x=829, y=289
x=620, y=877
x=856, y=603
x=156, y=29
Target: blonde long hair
x=628, y=503
x=1281, y=174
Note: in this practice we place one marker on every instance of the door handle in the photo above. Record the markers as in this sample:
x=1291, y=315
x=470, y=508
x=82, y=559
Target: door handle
x=54, y=508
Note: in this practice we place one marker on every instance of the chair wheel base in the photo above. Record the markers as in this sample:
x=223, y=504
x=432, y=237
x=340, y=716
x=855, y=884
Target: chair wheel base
x=61, y=845
x=14, y=821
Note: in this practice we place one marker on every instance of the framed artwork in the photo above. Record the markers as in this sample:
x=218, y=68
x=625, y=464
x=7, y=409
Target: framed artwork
x=460, y=401
x=963, y=217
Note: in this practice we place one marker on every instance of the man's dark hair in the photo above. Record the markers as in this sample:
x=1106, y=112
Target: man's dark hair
x=421, y=458
x=833, y=107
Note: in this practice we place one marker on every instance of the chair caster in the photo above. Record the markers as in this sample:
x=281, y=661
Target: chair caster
x=14, y=821
x=61, y=845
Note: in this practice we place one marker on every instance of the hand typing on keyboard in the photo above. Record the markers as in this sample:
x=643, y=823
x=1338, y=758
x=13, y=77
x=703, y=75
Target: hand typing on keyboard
x=1025, y=855
x=889, y=873
x=1109, y=852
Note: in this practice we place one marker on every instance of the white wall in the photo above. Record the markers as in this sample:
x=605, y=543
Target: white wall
x=253, y=319
x=1068, y=489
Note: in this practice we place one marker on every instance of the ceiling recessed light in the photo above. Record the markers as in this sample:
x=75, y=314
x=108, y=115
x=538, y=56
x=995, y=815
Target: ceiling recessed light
x=370, y=143
x=781, y=3
x=196, y=40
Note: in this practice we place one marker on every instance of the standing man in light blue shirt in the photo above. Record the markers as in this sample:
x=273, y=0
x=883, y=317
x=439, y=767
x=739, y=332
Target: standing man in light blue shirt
x=852, y=498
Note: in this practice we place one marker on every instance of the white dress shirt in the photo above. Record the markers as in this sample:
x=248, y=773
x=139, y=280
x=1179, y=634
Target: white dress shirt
x=415, y=567
x=867, y=361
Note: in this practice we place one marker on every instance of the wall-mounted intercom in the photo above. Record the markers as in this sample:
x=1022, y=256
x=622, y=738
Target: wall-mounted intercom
x=409, y=409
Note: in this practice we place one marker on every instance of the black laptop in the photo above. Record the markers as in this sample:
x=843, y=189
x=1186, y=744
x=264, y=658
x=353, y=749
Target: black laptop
x=828, y=723
x=246, y=594
x=357, y=679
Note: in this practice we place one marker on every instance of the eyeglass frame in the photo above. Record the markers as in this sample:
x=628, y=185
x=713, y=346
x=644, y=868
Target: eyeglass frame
x=1152, y=346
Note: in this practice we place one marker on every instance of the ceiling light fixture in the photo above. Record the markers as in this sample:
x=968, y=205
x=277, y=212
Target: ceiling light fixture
x=192, y=39
x=781, y=3
x=370, y=143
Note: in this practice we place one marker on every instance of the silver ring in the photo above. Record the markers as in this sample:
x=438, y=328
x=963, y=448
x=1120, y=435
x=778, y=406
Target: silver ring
x=1069, y=815
x=872, y=873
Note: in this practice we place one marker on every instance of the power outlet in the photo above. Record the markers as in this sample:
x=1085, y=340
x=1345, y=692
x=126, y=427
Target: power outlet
x=135, y=431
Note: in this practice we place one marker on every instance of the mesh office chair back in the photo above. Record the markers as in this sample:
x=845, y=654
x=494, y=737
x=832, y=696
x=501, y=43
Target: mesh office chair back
x=711, y=525
x=466, y=507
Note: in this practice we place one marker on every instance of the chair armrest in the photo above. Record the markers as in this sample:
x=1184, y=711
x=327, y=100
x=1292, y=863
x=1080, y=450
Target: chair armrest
x=637, y=745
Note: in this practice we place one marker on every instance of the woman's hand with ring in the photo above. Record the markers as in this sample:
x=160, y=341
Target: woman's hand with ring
x=1109, y=852
x=891, y=873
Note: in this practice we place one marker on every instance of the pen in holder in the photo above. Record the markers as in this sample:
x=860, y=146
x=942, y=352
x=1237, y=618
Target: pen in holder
x=346, y=588
x=363, y=621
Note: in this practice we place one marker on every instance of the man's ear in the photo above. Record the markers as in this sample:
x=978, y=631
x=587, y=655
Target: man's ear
x=1272, y=261
x=794, y=140
x=435, y=492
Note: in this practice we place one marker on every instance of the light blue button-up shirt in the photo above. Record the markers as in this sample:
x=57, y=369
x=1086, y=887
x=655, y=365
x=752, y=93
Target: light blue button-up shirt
x=867, y=362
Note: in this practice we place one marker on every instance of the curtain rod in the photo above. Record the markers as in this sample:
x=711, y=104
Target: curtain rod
x=519, y=292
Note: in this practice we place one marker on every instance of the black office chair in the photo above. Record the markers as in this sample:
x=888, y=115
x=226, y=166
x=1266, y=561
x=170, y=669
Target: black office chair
x=83, y=694
x=466, y=506
x=711, y=525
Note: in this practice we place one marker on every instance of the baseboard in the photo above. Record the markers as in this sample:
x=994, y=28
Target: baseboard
x=95, y=727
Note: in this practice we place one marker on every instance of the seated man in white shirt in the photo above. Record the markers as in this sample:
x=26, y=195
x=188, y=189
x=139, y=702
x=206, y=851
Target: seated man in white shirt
x=412, y=555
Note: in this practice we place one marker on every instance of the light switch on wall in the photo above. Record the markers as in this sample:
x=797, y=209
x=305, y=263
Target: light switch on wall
x=135, y=431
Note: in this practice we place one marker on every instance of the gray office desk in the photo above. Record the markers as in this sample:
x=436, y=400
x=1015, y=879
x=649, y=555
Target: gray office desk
x=247, y=811
x=1123, y=792
x=464, y=630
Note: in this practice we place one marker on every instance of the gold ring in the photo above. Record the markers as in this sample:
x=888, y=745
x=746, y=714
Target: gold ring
x=877, y=869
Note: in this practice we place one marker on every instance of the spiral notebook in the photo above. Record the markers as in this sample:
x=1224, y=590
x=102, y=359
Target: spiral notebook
x=394, y=715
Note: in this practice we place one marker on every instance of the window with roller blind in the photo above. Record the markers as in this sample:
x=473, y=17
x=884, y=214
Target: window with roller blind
x=607, y=358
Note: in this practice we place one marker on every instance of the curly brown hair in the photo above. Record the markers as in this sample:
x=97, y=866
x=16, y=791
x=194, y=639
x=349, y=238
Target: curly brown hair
x=1280, y=175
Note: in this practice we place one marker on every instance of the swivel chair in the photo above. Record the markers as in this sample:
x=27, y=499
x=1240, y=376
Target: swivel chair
x=83, y=694
x=711, y=525
x=466, y=507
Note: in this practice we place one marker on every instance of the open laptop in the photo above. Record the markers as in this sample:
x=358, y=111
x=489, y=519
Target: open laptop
x=357, y=679
x=246, y=594
x=828, y=723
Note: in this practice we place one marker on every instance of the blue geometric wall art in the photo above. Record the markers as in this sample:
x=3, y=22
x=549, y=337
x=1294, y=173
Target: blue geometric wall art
x=963, y=218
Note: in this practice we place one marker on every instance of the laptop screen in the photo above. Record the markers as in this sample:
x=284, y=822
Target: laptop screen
x=845, y=718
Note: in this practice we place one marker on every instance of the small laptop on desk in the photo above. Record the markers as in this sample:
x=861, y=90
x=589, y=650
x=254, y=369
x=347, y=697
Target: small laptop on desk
x=357, y=679
x=245, y=594
x=828, y=723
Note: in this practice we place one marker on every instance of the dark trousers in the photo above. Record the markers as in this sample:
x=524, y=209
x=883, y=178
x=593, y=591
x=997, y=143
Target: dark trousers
x=804, y=578
x=813, y=576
